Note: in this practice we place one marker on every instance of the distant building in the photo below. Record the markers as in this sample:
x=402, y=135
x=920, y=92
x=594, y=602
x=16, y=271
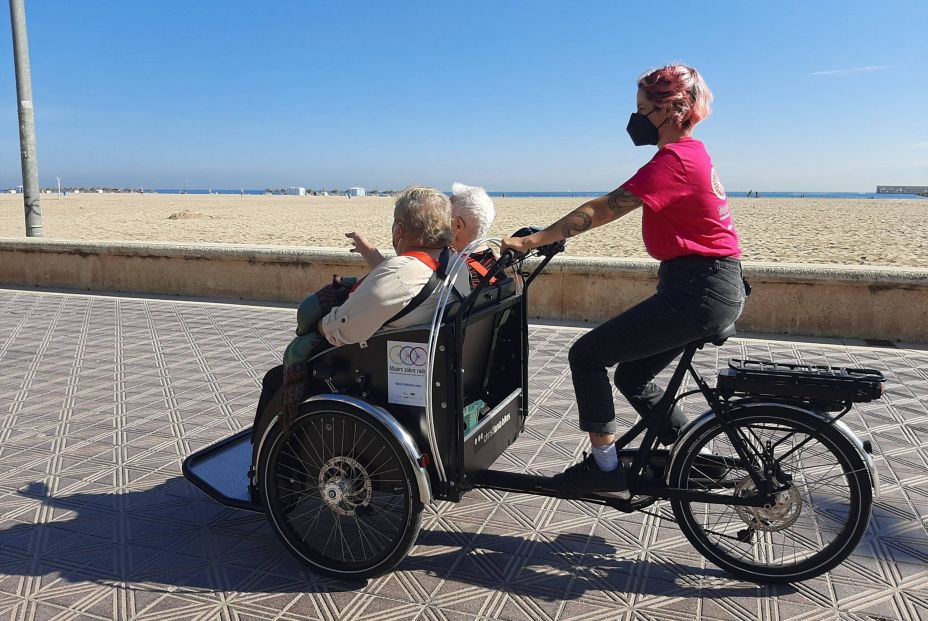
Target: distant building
x=901, y=189
x=296, y=191
x=356, y=192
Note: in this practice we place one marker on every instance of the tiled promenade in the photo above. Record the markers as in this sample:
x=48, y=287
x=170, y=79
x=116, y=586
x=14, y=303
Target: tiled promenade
x=102, y=397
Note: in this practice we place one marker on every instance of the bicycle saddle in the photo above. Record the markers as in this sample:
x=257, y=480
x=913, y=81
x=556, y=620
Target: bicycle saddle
x=719, y=338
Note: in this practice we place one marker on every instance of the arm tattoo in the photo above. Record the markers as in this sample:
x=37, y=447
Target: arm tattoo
x=621, y=201
x=576, y=223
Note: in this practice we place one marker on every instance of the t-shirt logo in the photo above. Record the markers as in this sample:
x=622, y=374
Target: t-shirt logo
x=717, y=185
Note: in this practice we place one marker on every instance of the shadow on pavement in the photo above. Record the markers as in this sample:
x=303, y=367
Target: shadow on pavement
x=569, y=567
x=173, y=538
x=170, y=537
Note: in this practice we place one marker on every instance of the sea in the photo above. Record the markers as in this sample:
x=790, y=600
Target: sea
x=589, y=194
x=742, y=194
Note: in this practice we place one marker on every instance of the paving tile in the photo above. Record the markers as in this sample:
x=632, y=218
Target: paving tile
x=102, y=397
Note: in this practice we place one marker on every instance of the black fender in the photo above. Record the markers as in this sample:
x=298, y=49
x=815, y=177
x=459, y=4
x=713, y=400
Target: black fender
x=390, y=424
x=747, y=405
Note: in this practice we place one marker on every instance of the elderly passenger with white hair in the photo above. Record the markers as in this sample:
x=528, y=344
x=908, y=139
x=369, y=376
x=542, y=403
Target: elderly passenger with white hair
x=472, y=215
x=344, y=313
x=422, y=229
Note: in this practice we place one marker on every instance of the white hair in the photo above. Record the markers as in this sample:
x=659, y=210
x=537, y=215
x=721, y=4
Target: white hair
x=474, y=204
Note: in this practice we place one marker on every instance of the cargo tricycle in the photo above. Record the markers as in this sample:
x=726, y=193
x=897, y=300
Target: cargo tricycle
x=768, y=483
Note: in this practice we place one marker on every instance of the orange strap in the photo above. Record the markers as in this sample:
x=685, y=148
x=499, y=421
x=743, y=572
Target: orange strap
x=424, y=257
x=478, y=267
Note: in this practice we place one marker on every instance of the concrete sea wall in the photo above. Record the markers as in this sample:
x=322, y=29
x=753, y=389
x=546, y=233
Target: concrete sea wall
x=810, y=300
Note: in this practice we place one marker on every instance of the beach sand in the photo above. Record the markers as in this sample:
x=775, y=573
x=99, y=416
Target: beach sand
x=856, y=232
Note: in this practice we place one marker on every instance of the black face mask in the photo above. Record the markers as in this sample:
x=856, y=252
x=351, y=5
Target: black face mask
x=641, y=129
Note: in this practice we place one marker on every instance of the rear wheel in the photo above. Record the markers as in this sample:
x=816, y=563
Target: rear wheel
x=813, y=524
x=339, y=491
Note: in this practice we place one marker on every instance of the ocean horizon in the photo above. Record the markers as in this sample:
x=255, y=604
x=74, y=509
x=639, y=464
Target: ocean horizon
x=593, y=194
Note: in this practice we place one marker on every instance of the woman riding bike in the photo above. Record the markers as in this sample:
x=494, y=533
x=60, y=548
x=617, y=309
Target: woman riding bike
x=687, y=226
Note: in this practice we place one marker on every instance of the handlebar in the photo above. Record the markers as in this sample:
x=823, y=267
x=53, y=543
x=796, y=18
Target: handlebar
x=505, y=260
x=509, y=258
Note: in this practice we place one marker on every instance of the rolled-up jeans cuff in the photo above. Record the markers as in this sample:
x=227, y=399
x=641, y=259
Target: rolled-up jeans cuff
x=597, y=426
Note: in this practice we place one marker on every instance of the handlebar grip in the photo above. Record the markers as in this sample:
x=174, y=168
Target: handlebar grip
x=506, y=259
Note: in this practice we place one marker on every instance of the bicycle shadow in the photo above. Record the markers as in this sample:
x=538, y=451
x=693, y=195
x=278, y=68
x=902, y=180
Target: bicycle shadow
x=569, y=567
x=171, y=537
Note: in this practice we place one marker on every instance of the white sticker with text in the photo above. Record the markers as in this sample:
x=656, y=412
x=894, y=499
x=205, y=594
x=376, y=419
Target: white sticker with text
x=406, y=369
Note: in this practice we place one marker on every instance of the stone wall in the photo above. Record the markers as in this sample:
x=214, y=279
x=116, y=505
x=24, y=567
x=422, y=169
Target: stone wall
x=812, y=300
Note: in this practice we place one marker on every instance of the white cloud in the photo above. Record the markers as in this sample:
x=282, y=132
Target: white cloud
x=867, y=69
x=921, y=145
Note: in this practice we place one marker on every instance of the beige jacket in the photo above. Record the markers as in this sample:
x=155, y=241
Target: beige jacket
x=384, y=292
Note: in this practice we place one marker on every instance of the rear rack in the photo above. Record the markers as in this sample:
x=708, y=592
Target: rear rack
x=821, y=383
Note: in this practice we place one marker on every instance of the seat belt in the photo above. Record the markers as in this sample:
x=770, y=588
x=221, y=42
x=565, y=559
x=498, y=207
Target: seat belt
x=438, y=275
x=480, y=268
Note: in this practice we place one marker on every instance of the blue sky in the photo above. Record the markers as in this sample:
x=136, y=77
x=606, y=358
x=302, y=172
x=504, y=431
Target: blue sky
x=512, y=95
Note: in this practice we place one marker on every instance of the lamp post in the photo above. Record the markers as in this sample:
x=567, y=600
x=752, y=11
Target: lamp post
x=26, y=120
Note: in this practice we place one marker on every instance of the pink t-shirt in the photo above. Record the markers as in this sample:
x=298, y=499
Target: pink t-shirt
x=686, y=210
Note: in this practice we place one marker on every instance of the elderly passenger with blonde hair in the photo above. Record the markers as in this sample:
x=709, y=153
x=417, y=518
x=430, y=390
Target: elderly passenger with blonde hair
x=349, y=311
x=472, y=212
x=422, y=229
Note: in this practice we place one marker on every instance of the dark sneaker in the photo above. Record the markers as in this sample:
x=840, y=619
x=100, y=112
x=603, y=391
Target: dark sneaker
x=586, y=477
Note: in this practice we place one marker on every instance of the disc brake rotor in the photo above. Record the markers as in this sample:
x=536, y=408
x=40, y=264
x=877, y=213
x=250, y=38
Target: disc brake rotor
x=344, y=485
x=782, y=514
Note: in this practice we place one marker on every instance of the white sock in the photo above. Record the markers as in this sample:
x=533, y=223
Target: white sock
x=606, y=457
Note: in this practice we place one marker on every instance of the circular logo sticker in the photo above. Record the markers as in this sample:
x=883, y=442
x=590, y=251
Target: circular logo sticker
x=408, y=356
x=717, y=185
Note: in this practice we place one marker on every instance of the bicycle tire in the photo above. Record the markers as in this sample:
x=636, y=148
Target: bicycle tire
x=756, y=560
x=338, y=477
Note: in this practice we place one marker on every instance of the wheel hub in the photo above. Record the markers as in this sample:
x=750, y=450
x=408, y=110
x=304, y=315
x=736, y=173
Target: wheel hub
x=344, y=485
x=782, y=514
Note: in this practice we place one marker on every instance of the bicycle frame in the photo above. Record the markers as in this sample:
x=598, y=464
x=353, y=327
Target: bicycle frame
x=455, y=475
x=656, y=423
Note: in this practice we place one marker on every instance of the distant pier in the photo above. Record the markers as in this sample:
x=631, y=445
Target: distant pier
x=902, y=189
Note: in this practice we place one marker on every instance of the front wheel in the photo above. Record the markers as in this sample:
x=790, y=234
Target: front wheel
x=813, y=525
x=339, y=491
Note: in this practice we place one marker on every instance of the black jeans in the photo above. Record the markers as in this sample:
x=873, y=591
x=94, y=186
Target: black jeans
x=696, y=297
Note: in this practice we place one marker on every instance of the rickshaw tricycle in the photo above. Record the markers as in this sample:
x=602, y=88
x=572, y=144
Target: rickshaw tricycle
x=768, y=483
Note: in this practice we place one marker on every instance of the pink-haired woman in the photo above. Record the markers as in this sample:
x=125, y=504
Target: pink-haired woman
x=686, y=225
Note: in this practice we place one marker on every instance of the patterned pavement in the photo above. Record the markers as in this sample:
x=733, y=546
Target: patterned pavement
x=102, y=397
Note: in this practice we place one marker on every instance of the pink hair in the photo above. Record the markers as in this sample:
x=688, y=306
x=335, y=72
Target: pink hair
x=682, y=88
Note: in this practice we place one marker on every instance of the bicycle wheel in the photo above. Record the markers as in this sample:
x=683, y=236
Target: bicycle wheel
x=339, y=491
x=812, y=526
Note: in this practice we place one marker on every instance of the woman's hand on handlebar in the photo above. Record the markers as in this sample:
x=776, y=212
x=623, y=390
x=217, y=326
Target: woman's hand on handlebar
x=519, y=245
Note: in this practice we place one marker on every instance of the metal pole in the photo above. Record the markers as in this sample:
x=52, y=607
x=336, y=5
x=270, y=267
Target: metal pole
x=26, y=120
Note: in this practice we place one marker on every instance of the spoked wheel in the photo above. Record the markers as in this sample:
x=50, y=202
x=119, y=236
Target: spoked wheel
x=339, y=491
x=814, y=523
